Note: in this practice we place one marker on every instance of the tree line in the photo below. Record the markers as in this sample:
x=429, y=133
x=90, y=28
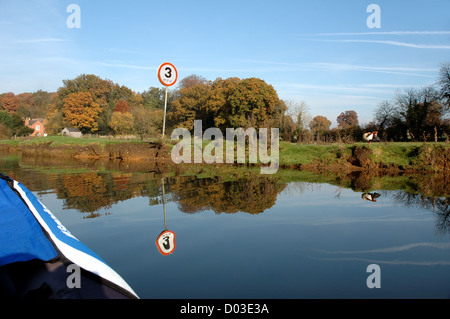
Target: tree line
x=99, y=106
x=417, y=114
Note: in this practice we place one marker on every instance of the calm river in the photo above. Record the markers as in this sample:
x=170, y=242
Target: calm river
x=240, y=234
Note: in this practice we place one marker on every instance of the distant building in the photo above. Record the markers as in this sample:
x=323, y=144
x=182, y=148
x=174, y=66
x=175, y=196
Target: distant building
x=71, y=131
x=38, y=125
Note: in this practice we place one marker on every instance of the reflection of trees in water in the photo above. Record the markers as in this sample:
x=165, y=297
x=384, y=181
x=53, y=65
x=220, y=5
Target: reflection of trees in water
x=251, y=195
x=297, y=188
x=438, y=205
x=89, y=192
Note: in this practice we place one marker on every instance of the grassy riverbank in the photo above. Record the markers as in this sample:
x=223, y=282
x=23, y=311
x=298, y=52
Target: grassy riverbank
x=401, y=156
x=375, y=156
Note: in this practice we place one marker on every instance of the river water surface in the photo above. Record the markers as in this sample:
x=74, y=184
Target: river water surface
x=240, y=234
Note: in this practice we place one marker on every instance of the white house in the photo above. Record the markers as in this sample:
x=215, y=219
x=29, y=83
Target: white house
x=71, y=131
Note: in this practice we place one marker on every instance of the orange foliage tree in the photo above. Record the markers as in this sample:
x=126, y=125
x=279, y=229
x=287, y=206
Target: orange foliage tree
x=10, y=102
x=122, y=106
x=225, y=103
x=81, y=111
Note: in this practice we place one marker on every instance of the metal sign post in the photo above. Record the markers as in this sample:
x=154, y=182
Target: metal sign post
x=167, y=75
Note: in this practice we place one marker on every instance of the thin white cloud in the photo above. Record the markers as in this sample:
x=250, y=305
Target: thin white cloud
x=396, y=43
x=412, y=71
x=327, y=88
x=42, y=40
x=127, y=66
x=384, y=33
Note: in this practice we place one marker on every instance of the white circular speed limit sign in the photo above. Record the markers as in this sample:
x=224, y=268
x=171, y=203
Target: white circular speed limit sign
x=167, y=74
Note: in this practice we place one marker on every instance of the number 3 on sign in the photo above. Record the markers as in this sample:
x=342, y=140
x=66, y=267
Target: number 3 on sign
x=167, y=74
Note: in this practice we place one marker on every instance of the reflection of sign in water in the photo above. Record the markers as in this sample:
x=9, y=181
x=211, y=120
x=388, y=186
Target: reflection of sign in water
x=166, y=242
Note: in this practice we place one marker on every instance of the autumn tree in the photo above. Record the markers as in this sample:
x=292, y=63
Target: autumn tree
x=319, y=124
x=81, y=111
x=251, y=104
x=191, y=105
x=55, y=120
x=126, y=94
x=10, y=102
x=34, y=105
x=104, y=92
x=99, y=89
x=122, y=106
x=122, y=123
x=191, y=80
x=347, y=119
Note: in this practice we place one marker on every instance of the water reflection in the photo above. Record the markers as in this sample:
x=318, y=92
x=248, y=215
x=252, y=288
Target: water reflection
x=439, y=206
x=92, y=186
x=294, y=234
x=165, y=242
x=371, y=197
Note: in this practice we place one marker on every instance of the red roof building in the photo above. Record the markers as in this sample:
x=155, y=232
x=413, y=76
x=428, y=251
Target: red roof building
x=38, y=125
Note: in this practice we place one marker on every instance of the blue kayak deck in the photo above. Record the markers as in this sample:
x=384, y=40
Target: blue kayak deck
x=21, y=236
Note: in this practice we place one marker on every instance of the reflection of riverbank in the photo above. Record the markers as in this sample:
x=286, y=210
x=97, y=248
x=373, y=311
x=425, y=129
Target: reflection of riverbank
x=90, y=185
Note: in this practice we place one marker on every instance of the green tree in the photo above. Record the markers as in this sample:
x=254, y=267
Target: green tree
x=153, y=98
x=252, y=104
x=13, y=125
x=6, y=119
x=147, y=122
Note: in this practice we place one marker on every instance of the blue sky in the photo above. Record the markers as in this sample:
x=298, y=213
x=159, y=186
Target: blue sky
x=319, y=52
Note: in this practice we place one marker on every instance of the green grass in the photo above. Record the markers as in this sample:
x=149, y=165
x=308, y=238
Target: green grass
x=399, y=154
x=292, y=154
x=64, y=140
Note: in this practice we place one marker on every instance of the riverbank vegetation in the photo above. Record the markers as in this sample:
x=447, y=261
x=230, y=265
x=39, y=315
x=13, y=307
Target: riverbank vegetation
x=414, y=127
x=381, y=157
x=99, y=106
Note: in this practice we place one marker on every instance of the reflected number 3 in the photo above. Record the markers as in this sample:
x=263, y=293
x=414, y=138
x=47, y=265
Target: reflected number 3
x=169, y=72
